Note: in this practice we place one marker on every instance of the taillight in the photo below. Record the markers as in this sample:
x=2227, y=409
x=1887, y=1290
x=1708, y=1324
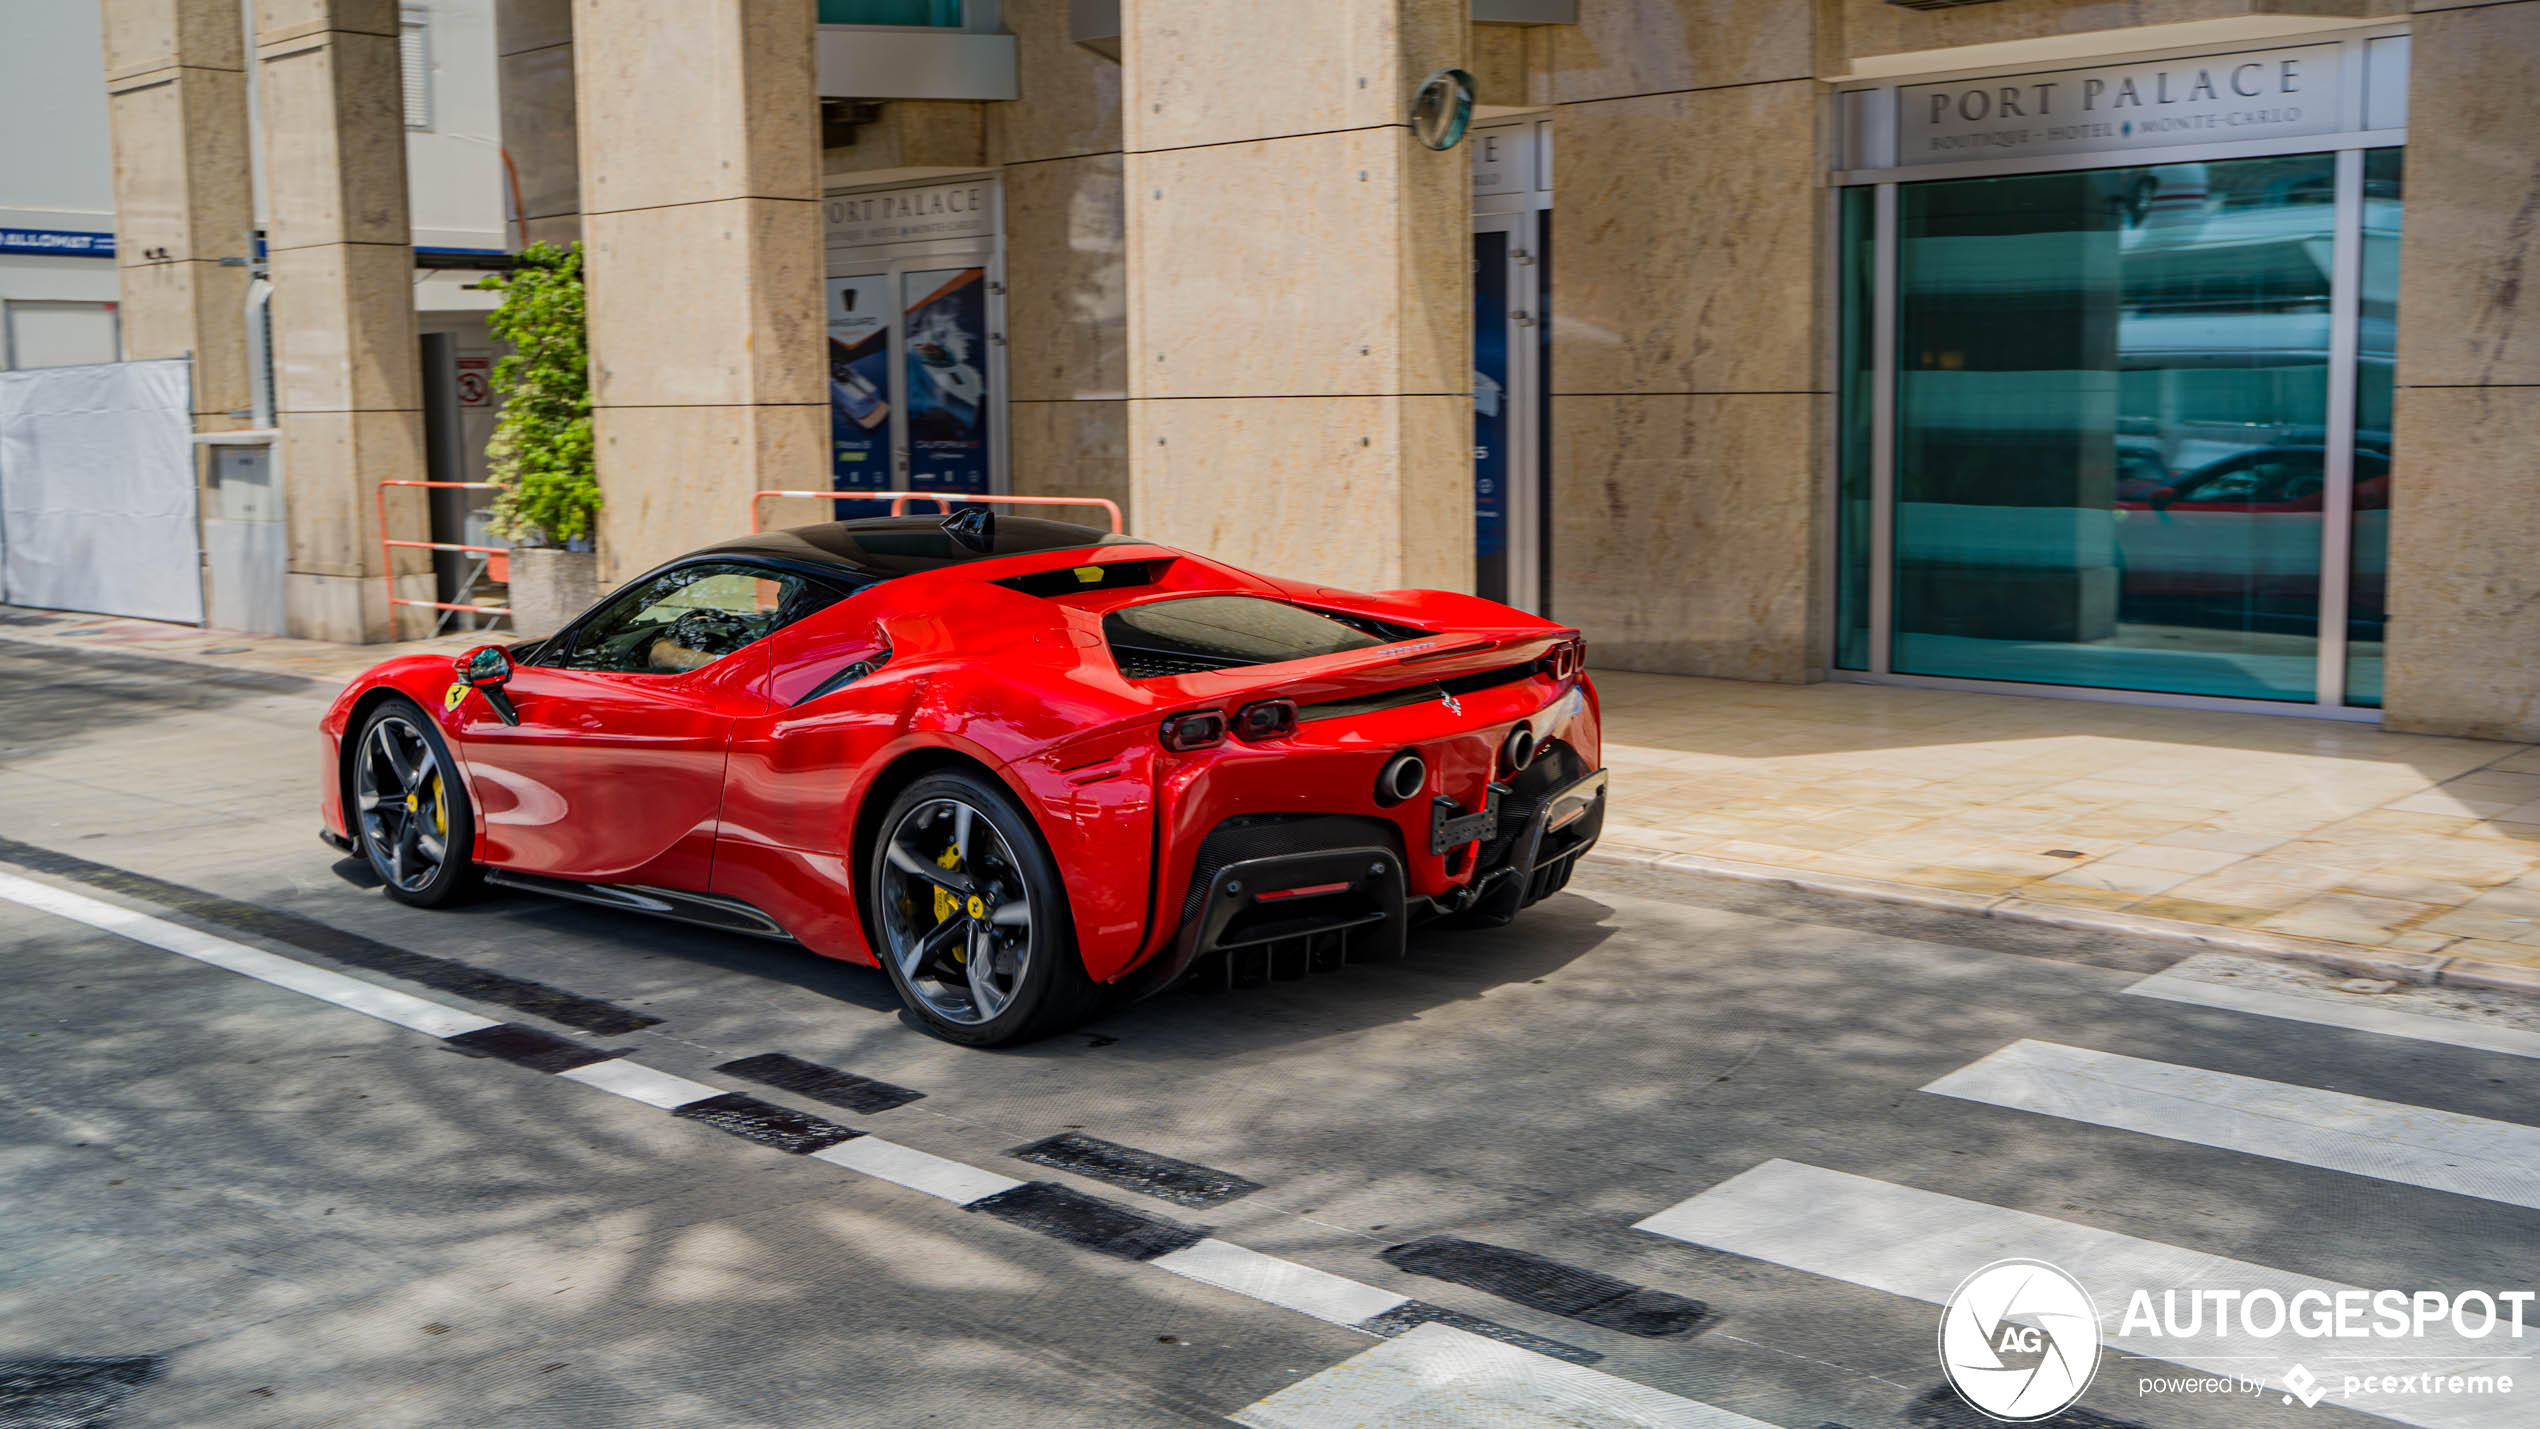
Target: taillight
x=1565, y=660
x=1198, y=730
x=1269, y=719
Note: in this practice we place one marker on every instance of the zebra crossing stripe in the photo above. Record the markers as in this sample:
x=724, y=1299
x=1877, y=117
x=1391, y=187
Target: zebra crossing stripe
x=2179, y=984
x=2389, y=1141
x=1921, y=1244
x=1437, y=1375
x=387, y=1004
x=1302, y=1288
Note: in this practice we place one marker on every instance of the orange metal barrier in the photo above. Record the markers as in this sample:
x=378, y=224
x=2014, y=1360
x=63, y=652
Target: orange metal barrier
x=387, y=562
x=899, y=501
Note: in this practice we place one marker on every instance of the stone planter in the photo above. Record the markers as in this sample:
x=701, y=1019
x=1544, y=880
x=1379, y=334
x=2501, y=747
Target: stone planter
x=550, y=586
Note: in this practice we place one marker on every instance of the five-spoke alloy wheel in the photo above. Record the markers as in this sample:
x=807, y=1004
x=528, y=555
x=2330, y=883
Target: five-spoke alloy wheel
x=968, y=917
x=409, y=811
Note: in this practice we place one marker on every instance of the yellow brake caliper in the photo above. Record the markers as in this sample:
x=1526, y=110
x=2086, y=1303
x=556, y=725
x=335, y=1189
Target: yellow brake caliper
x=947, y=903
x=440, y=810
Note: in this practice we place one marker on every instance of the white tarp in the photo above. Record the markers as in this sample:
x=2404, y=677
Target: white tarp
x=97, y=490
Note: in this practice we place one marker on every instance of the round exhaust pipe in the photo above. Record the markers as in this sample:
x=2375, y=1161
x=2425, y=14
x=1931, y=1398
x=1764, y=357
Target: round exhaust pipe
x=1403, y=777
x=1519, y=750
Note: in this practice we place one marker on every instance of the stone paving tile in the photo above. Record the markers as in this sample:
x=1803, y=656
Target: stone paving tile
x=2218, y=840
x=2175, y=860
x=2348, y=918
x=2485, y=950
x=2415, y=890
x=2121, y=878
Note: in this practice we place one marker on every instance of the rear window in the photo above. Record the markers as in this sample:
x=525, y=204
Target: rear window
x=1217, y=632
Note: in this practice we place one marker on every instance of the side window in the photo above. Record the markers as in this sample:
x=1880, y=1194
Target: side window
x=686, y=619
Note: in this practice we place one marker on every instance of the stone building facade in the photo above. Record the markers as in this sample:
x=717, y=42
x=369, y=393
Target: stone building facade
x=2164, y=350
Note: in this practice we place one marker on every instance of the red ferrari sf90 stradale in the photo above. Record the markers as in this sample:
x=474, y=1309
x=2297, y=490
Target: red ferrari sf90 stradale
x=1022, y=765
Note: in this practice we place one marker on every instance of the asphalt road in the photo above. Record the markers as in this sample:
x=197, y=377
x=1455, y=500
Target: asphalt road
x=223, y=1201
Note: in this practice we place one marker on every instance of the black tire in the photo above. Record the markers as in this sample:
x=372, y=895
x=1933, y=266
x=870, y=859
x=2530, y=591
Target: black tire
x=421, y=843
x=1031, y=979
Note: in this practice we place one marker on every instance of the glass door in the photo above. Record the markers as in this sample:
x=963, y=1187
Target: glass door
x=1508, y=525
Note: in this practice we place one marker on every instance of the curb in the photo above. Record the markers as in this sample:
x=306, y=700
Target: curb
x=190, y=660
x=2354, y=959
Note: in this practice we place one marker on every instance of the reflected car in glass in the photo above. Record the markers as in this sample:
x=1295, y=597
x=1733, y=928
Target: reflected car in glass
x=2240, y=536
x=1026, y=767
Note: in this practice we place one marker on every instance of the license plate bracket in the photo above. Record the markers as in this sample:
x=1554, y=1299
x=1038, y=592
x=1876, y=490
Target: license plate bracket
x=1451, y=827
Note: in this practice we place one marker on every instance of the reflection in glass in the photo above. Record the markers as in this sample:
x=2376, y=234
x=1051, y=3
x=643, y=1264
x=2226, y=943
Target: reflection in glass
x=2376, y=344
x=2111, y=419
x=1852, y=479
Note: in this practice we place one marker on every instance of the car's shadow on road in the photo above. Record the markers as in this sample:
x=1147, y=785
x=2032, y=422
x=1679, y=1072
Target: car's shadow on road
x=1440, y=968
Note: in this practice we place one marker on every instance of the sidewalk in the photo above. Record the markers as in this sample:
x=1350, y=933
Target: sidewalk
x=2392, y=855
x=263, y=654
x=2291, y=836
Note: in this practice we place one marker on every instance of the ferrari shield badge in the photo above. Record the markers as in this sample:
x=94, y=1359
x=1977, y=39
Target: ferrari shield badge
x=450, y=697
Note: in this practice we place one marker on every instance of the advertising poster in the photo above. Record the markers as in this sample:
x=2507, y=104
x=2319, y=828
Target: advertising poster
x=947, y=379
x=1490, y=415
x=859, y=389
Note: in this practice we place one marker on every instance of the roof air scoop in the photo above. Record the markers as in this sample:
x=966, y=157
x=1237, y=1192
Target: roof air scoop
x=975, y=528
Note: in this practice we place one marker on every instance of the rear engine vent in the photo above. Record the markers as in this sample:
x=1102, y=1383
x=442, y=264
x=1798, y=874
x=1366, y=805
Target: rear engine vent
x=1188, y=634
x=1111, y=575
x=1146, y=665
x=1383, y=630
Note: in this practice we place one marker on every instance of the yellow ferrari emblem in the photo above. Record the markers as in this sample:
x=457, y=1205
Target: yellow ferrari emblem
x=413, y=804
x=978, y=906
x=450, y=697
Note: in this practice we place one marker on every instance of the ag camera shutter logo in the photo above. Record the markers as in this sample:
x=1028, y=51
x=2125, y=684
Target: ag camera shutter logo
x=2019, y=1340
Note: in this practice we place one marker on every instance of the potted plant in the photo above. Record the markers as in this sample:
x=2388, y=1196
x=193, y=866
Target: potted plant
x=540, y=456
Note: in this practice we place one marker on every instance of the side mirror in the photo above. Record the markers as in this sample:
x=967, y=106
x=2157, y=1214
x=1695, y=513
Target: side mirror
x=486, y=669
x=2159, y=500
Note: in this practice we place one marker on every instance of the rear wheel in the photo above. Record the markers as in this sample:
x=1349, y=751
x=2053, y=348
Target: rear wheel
x=409, y=809
x=965, y=909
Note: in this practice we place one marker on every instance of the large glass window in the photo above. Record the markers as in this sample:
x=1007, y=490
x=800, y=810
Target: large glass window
x=937, y=13
x=2111, y=426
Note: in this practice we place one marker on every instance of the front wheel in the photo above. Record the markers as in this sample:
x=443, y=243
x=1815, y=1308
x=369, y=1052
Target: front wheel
x=409, y=809
x=965, y=910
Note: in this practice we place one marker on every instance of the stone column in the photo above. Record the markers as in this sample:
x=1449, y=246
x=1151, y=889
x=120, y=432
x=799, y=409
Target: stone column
x=339, y=243
x=2464, y=645
x=1300, y=312
x=700, y=153
x=1067, y=303
x=176, y=100
x=533, y=48
x=1691, y=398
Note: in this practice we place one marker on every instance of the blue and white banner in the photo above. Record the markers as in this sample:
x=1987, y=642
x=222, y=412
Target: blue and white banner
x=57, y=240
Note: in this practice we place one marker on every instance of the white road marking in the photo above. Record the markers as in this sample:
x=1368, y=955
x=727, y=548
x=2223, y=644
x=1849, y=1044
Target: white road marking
x=918, y=1170
x=2358, y=1014
x=1301, y=1288
x=1438, y=1377
x=1920, y=1244
x=1497, y=1379
x=639, y=1083
x=2467, y=1155
x=386, y=1004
